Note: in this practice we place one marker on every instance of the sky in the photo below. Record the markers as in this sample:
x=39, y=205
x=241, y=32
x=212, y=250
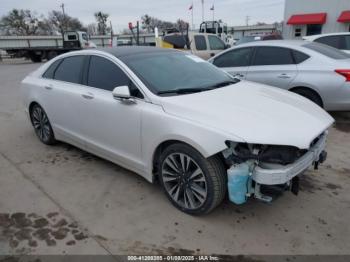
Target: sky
x=232, y=12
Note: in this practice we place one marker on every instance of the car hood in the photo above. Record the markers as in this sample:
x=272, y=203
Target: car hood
x=254, y=112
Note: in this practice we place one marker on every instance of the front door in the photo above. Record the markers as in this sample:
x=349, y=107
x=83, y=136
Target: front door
x=112, y=127
x=236, y=62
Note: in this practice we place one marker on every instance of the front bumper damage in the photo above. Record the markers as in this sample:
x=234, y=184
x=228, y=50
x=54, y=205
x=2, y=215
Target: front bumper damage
x=254, y=178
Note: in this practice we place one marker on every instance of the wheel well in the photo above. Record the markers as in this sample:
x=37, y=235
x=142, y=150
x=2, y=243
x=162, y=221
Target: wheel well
x=32, y=104
x=294, y=89
x=161, y=147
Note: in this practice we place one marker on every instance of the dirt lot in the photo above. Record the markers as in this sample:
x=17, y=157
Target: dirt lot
x=61, y=200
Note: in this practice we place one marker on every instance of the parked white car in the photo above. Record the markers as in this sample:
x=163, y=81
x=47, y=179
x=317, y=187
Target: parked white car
x=337, y=40
x=169, y=115
x=315, y=71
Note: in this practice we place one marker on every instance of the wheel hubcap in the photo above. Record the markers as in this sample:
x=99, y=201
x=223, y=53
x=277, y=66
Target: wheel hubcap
x=41, y=124
x=184, y=180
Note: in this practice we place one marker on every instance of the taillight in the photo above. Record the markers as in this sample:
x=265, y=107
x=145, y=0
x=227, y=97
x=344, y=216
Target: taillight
x=345, y=73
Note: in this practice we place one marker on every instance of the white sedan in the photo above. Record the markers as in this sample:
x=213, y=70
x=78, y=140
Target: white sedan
x=171, y=116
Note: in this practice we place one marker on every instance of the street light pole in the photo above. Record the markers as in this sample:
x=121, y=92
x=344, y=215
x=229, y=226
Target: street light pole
x=64, y=16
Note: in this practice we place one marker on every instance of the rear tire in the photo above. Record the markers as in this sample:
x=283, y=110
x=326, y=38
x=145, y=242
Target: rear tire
x=42, y=126
x=192, y=183
x=309, y=94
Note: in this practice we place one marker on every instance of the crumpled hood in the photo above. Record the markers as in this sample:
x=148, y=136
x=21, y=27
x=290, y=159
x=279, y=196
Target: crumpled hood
x=254, y=112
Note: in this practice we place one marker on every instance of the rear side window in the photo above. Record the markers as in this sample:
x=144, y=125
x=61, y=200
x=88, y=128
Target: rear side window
x=333, y=41
x=49, y=74
x=235, y=58
x=272, y=56
x=299, y=57
x=70, y=69
x=346, y=42
x=215, y=43
x=200, y=42
x=327, y=51
x=104, y=74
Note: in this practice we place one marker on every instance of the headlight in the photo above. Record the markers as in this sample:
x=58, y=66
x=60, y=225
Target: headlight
x=284, y=155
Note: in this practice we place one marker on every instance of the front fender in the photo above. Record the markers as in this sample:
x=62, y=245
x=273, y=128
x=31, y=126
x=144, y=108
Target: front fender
x=159, y=127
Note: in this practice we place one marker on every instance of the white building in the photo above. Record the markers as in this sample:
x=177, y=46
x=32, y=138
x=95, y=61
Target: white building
x=254, y=30
x=311, y=17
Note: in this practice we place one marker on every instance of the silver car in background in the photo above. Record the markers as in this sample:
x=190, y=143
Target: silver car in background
x=315, y=71
x=337, y=40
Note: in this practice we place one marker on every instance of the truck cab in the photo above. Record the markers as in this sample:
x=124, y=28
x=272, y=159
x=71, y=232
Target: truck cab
x=200, y=44
x=75, y=39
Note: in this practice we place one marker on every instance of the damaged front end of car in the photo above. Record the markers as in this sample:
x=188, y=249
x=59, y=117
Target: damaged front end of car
x=265, y=171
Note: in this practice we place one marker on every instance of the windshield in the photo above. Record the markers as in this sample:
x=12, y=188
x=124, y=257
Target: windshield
x=176, y=72
x=328, y=51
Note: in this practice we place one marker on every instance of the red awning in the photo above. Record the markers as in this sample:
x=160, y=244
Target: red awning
x=344, y=17
x=308, y=19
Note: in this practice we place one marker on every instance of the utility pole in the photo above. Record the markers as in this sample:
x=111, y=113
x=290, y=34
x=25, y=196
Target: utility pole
x=202, y=10
x=64, y=17
x=247, y=18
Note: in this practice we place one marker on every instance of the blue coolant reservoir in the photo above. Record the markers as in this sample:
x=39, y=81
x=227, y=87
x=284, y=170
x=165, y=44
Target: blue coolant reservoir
x=238, y=177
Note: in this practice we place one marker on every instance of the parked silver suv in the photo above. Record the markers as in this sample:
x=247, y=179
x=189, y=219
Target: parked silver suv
x=316, y=71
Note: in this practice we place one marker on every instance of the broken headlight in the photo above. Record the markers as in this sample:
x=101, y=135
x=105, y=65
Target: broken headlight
x=274, y=154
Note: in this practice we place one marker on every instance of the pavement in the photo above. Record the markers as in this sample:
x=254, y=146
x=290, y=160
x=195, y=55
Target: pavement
x=62, y=200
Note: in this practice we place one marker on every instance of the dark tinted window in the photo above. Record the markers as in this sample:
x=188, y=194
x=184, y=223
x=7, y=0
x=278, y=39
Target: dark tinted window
x=273, y=56
x=346, y=42
x=215, y=43
x=299, y=57
x=70, y=69
x=234, y=58
x=327, y=51
x=51, y=70
x=106, y=75
x=200, y=42
x=333, y=41
x=313, y=29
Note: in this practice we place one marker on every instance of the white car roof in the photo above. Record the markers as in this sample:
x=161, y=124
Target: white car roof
x=314, y=37
x=282, y=43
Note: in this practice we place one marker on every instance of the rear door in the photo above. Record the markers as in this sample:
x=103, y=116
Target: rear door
x=236, y=62
x=63, y=91
x=273, y=66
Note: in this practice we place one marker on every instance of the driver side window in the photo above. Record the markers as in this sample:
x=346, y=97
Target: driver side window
x=106, y=75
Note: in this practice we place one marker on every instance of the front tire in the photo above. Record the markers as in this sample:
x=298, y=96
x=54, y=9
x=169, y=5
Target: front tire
x=193, y=184
x=42, y=126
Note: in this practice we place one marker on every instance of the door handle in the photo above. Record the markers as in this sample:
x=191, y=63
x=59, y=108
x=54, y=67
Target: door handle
x=284, y=76
x=239, y=75
x=88, y=96
x=49, y=87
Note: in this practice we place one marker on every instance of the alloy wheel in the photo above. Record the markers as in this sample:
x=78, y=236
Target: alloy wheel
x=41, y=124
x=184, y=180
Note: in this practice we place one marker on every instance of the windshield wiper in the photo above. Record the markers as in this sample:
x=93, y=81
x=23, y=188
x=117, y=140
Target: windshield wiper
x=183, y=91
x=197, y=90
x=224, y=83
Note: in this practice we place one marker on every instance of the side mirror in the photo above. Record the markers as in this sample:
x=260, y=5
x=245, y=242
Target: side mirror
x=122, y=93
